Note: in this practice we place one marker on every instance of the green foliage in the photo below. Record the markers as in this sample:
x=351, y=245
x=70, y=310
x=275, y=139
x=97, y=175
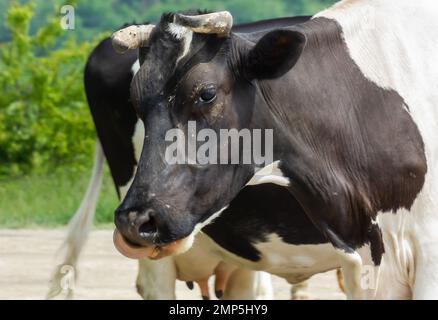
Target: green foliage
x=94, y=17
x=242, y=10
x=50, y=199
x=44, y=119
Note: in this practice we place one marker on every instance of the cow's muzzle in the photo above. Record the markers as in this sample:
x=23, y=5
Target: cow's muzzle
x=137, y=226
x=137, y=235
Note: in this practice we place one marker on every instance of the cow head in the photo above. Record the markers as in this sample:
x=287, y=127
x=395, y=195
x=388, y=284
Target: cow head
x=195, y=70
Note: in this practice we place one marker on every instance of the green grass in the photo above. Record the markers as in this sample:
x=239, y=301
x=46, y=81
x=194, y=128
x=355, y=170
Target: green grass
x=50, y=200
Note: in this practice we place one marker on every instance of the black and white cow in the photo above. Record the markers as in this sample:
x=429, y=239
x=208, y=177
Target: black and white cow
x=107, y=80
x=351, y=97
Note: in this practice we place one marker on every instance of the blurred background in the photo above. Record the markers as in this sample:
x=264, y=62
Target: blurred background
x=46, y=131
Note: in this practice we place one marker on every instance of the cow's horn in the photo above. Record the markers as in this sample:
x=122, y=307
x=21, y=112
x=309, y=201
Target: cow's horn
x=219, y=23
x=131, y=37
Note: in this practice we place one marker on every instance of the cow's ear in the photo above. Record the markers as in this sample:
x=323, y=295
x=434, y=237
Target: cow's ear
x=274, y=54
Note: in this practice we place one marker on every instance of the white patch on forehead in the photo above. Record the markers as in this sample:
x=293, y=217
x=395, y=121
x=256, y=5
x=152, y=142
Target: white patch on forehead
x=270, y=174
x=135, y=67
x=187, y=42
x=177, y=31
x=184, y=34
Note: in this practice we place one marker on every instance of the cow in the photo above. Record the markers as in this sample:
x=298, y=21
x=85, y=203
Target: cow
x=107, y=79
x=351, y=98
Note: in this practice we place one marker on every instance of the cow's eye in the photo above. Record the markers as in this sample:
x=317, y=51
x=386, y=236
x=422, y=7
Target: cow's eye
x=208, y=94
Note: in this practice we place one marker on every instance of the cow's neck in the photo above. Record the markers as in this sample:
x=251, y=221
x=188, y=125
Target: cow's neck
x=299, y=100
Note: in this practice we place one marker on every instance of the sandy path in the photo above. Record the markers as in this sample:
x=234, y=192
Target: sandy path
x=27, y=260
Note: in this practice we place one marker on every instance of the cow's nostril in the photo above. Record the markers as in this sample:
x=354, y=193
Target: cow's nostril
x=148, y=227
x=147, y=223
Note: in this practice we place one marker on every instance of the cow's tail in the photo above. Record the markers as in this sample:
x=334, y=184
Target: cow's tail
x=78, y=230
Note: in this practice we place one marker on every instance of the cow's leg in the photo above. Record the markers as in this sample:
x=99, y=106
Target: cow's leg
x=249, y=285
x=351, y=264
x=300, y=291
x=264, y=286
x=340, y=278
x=156, y=279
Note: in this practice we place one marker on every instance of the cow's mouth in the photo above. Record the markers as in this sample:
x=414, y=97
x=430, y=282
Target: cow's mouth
x=133, y=251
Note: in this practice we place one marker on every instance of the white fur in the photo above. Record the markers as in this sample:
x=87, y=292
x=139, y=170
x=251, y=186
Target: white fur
x=188, y=242
x=135, y=67
x=270, y=174
x=187, y=42
x=200, y=261
x=397, y=271
x=156, y=279
x=294, y=263
x=209, y=220
x=177, y=30
x=394, y=44
x=352, y=264
x=184, y=34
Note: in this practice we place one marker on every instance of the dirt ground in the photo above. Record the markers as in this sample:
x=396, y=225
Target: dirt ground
x=27, y=260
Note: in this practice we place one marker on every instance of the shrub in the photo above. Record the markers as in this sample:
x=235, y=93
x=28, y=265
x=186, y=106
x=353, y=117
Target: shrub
x=44, y=118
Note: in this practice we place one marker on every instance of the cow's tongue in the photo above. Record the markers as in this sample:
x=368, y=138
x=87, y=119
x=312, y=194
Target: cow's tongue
x=132, y=251
x=152, y=252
